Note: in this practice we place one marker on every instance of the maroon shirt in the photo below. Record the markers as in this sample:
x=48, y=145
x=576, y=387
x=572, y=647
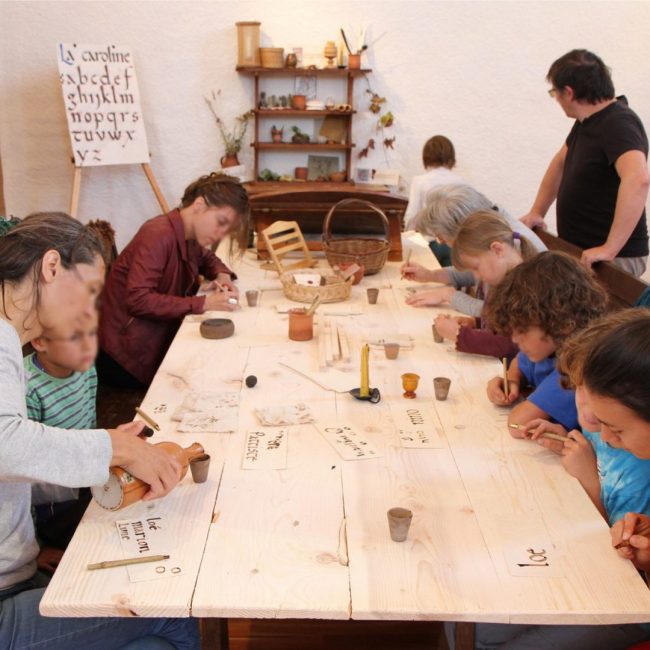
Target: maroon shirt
x=150, y=287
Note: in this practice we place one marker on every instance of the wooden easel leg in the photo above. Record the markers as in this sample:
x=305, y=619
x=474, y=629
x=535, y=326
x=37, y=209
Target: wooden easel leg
x=76, y=188
x=464, y=636
x=154, y=186
x=214, y=633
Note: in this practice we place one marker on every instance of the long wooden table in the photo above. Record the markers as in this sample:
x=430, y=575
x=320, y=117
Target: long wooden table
x=311, y=540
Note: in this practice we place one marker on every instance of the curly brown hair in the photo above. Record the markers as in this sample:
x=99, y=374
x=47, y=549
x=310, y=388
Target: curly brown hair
x=576, y=349
x=551, y=291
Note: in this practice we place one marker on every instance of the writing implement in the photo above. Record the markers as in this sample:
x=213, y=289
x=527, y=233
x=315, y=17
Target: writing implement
x=546, y=434
x=506, y=387
x=109, y=564
x=147, y=418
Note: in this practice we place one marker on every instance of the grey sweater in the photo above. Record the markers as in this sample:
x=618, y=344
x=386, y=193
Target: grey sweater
x=31, y=452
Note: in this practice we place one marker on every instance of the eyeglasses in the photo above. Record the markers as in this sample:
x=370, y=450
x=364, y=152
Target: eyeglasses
x=552, y=92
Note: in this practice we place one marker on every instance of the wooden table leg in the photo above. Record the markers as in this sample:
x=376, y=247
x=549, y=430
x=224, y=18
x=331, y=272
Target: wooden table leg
x=214, y=633
x=464, y=636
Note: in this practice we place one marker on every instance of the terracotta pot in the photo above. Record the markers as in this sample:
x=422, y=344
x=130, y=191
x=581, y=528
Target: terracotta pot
x=229, y=160
x=337, y=177
x=354, y=61
x=299, y=102
x=358, y=275
x=301, y=173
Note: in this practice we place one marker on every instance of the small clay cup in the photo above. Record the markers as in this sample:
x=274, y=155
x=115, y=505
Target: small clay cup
x=436, y=335
x=251, y=297
x=373, y=294
x=399, y=522
x=299, y=102
x=441, y=388
x=301, y=173
x=391, y=350
x=301, y=325
x=200, y=467
x=354, y=61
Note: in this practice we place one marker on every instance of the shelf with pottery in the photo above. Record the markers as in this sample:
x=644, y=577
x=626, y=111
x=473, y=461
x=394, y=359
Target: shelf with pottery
x=264, y=114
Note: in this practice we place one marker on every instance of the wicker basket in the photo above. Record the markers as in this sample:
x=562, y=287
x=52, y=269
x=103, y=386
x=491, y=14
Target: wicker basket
x=372, y=253
x=272, y=57
x=334, y=292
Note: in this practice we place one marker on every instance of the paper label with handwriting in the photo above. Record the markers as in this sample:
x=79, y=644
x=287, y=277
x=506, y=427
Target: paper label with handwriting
x=349, y=443
x=416, y=427
x=266, y=448
x=528, y=549
x=144, y=537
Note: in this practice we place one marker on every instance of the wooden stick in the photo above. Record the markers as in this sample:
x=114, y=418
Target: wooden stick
x=408, y=259
x=76, y=189
x=624, y=544
x=546, y=434
x=154, y=186
x=344, y=343
x=506, y=388
x=314, y=305
x=147, y=418
x=109, y=564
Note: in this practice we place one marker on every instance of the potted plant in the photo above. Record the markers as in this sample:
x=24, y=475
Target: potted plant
x=298, y=136
x=232, y=140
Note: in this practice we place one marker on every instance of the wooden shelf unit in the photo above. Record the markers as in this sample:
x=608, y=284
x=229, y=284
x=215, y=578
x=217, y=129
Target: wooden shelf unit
x=341, y=73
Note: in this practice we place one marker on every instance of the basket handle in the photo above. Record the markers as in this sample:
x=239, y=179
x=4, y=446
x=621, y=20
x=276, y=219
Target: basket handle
x=326, y=225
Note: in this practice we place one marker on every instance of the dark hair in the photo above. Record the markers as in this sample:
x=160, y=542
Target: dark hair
x=551, y=291
x=617, y=366
x=217, y=190
x=23, y=247
x=438, y=151
x=585, y=73
x=480, y=230
x=576, y=349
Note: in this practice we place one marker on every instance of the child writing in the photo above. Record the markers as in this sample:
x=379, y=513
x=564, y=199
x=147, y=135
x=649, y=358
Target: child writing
x=486, y=246
x=61, y=392
x=539, y=304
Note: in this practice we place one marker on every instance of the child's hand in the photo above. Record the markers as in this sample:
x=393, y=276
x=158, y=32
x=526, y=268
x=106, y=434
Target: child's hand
x=632, y=533
x=466, y=321
x=538, y=427
x=447, y=326
x=414, y=271
x=430, y=298
x=497, y=396
x=48, y=559
x=578, y=457
x=226, y=282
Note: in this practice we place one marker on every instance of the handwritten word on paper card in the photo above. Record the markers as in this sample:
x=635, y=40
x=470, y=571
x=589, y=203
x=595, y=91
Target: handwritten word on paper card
x=416, y=427
x=528, y=549
x=266, y=449
x=144, y=537
x=348, y=443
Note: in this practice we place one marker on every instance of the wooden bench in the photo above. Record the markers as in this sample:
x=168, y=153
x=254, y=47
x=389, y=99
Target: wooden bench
x=623, y=288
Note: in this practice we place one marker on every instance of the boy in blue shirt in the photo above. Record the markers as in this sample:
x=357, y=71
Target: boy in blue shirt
x=539, y=304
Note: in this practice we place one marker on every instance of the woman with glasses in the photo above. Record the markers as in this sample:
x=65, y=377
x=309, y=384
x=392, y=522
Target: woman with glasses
x=51, y=272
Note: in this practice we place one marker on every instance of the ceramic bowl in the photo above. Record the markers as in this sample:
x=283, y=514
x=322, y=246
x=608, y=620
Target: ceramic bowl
x=217, y=328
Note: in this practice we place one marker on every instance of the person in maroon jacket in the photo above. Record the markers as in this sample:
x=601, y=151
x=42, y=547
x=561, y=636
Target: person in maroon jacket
x=152, y=284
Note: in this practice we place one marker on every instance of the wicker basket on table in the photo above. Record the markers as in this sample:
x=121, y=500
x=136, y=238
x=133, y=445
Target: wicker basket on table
x=335, y=290
x=369, y=251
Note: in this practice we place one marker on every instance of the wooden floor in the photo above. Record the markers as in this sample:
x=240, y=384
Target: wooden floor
x=250, y=634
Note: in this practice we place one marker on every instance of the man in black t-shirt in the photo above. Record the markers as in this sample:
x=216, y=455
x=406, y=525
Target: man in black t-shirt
x=600, y=175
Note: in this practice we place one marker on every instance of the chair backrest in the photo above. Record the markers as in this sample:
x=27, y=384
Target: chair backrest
x=282, y=238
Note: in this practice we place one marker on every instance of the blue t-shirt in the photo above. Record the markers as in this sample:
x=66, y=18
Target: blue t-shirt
x=559, y=403
x=624, y=479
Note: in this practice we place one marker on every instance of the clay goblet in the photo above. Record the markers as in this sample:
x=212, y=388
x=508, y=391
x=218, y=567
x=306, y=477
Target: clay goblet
x=391, y=350
x=251, y=297
x=410, y=383
x=200, y=467
x=441, y=388
x=399, y=522
x=373, y=294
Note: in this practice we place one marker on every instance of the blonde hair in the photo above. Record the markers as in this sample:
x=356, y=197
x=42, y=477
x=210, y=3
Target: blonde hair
x=480, y=230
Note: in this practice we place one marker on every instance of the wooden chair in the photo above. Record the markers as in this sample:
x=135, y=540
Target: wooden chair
x=282, y=238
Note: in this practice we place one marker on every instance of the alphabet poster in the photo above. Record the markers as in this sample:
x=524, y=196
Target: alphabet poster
x=102, y=104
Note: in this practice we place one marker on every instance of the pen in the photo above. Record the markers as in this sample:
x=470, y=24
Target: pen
x=148, y=419
x=109, y=564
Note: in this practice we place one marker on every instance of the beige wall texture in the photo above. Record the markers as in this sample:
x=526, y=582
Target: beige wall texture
x=474, y=71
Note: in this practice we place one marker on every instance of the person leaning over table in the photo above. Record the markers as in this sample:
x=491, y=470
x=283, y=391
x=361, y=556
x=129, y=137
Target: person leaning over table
x=446, y=210
x=51, y=272
x=600, y=175
x=152, y=284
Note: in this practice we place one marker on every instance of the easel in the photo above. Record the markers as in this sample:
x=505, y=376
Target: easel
x=76, y=189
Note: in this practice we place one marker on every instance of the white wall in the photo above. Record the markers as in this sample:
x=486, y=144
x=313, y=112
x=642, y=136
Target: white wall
x=473, y=71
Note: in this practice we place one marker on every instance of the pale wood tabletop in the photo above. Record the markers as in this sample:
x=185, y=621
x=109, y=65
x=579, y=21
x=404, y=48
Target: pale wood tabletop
x=311, y=540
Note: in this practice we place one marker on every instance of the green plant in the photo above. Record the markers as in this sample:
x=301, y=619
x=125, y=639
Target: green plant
x=232, y=140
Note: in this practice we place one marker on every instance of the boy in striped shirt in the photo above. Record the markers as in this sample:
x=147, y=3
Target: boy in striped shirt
x=61, y=392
